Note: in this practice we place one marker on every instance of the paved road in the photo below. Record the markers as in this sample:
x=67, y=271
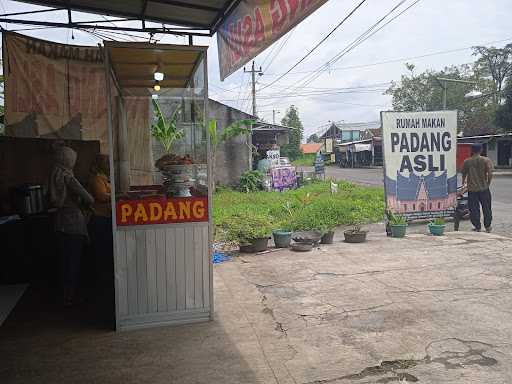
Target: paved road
x=501, y=189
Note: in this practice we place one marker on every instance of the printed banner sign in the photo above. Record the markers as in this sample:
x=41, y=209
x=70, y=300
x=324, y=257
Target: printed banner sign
x=283, y=178
x=58, y=91
x=256, y=24
x=273, y=156
x=161, y=211
x=420, y=172
x=54, y=90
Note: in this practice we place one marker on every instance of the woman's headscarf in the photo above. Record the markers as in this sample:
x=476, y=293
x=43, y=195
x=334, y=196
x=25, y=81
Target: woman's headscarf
x=65, y=159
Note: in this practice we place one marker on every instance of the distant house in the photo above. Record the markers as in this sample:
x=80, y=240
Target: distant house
x=310, y=148
x=372, y=133
x=339, y=132
x=497, y=147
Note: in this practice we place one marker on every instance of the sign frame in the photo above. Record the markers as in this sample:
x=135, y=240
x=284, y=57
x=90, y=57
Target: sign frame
x=451, y=181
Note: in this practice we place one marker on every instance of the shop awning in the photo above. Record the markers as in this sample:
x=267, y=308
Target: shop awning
x=361, y=147
x=134, y=64
x=201, y=14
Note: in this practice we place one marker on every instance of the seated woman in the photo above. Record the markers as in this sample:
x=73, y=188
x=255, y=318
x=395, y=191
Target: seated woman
x=100, y=225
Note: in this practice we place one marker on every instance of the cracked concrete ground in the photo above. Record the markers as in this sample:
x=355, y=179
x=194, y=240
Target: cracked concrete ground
x=422, y=309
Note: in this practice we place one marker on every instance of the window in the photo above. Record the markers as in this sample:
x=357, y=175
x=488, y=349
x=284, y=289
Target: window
x=439, y=205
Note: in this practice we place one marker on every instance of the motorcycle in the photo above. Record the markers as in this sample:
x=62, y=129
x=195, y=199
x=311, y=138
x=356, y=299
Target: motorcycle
x=462, y=207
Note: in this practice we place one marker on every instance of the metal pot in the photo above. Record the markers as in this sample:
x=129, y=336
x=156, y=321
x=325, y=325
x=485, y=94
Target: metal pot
x=29, y=199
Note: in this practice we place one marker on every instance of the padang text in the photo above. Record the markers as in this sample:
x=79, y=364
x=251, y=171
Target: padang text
x=425, y=144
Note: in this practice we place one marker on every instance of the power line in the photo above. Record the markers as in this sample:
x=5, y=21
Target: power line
x=355, y=43
x=399, y=59
x=304, y=95
x=320, y=42
x=283, y=43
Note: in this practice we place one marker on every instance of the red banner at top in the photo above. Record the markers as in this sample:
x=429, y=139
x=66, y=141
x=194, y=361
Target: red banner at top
x=256, y=24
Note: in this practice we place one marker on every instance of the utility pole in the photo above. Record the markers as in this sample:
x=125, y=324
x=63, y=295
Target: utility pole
x=443, y=82
x=253, y=73
x=274, y=116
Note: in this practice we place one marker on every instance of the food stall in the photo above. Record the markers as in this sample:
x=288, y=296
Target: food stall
x=162, y=231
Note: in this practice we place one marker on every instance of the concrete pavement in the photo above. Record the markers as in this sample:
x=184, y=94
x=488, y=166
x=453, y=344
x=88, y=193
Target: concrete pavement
x=501, y=189
x=421, y=309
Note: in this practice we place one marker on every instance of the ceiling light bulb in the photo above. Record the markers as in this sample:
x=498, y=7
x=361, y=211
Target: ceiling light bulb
x=159, y=76
x=156, y=87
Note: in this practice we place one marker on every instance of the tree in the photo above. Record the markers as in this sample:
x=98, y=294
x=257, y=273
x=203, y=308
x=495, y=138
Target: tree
x=494, y=64
x=504, y=112
x=291, y=119
x=423, y=92
x=313, y=138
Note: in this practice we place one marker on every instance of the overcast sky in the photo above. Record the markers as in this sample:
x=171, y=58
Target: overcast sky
x=428, y=27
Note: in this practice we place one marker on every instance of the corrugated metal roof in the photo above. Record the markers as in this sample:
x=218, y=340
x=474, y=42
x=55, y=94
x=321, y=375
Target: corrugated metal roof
x=203, y=14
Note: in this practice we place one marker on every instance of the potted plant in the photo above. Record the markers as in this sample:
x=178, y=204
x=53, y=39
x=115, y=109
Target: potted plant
x=397, y=224
x=283, y=235
x=437, y=226
x=355, y=234
x=250, y=232
x=166, y=132
x=328, y=226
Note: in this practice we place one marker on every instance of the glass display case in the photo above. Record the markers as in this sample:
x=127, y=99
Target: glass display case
x=160, y=165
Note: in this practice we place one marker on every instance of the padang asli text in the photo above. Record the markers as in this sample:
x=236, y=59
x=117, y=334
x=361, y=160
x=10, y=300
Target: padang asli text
x=412, y=142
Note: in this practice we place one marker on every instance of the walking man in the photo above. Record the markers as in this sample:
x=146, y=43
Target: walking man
x=477, y=173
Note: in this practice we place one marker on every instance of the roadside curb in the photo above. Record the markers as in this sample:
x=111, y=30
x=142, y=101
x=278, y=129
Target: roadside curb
x=502, y=174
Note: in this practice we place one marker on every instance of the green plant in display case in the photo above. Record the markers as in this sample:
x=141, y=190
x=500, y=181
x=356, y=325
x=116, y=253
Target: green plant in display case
x=166, y=131
x=251, y=181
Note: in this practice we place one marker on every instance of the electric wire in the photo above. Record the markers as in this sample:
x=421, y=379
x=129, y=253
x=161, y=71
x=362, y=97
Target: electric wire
x=358, y=41
x=355, y=43
x=320, y=42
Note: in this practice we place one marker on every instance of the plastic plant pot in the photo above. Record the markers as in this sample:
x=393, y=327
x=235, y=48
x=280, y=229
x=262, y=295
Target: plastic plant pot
x=436, y=229
x=327, y=238
x=282, y=238
x=398, y=230
x=257, y=245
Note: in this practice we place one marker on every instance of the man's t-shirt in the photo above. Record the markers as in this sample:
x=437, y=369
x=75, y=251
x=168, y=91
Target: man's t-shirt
x=477, y=168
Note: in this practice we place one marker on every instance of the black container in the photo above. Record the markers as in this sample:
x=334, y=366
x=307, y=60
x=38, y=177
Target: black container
x=355, y=237
x=257, y=245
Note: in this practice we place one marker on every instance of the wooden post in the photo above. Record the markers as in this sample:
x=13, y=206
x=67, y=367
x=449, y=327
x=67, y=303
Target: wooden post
x=123, y=148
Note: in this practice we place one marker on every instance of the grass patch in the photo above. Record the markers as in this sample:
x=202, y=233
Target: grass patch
x=305, y=160
x=351, y=204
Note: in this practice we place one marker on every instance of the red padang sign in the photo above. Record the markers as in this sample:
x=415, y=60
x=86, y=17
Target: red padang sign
x=161, y=211
x=256, y=24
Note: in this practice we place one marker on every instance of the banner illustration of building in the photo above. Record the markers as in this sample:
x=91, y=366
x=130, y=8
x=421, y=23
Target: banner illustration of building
x=420, y=175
